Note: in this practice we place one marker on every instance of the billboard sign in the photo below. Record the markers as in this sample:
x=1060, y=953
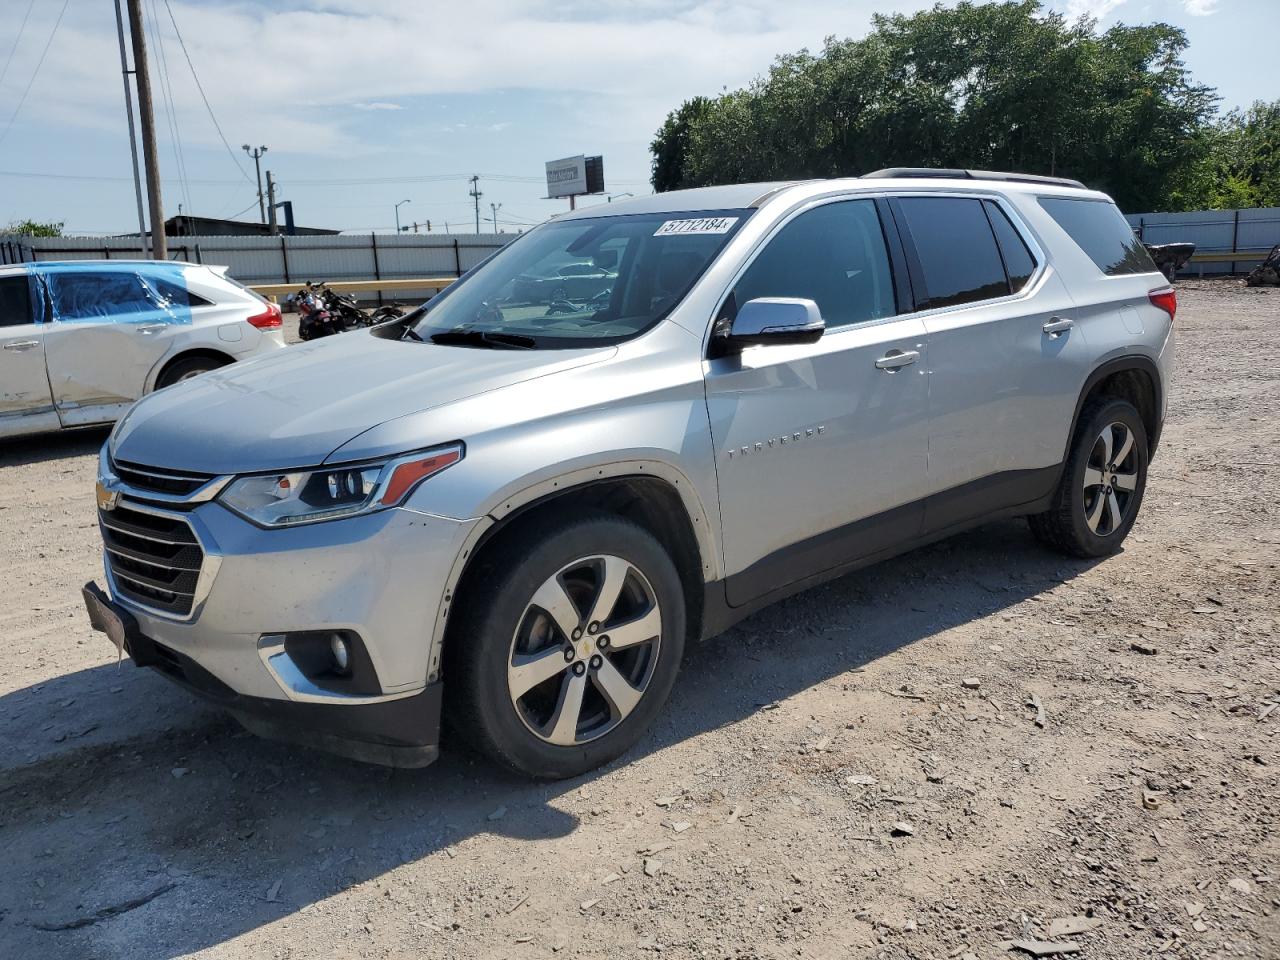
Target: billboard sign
x=575, y=176
x=567, y=177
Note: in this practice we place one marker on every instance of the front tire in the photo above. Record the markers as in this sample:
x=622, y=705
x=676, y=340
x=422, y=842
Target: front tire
x=1105, y=477
x=566, y=647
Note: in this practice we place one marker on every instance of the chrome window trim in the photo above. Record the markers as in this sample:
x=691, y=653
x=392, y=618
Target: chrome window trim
x=804, y=207
x=1015, y=218
x=1019, y=224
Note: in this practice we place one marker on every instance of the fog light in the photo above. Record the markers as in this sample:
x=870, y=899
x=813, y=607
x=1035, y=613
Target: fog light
x=341, y=652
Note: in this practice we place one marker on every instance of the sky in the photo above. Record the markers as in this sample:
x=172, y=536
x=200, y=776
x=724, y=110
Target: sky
x=363, y=104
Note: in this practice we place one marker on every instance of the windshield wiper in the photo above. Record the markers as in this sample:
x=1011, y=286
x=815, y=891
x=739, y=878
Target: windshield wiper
x=413, y=334
x=464, y=336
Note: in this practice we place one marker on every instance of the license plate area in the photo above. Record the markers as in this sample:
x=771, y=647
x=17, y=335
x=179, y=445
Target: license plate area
x=106, y=617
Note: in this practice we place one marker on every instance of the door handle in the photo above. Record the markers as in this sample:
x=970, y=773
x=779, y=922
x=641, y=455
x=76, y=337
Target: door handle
x=20, y=345
x=149, y=328
x=894, y=359
x=1057, y=326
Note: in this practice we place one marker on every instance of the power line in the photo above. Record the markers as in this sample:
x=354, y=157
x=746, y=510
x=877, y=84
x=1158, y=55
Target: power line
x=14, y=49
x=199, y=86
x=27, y=174
x=34, y=73
x=241, y=213
x=171, y=115
x=323, y=182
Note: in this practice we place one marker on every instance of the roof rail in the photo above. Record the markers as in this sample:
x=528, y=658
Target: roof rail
x=950, y=174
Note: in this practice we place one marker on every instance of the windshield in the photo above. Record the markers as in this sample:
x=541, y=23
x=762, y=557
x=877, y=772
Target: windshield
x=580, y=282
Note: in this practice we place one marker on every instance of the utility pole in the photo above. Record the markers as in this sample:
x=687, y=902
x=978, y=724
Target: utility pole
x=146, y=117
x=495, y=207
x=133, y=140
x=257, y=153
x=475, y=192
x=273, y=224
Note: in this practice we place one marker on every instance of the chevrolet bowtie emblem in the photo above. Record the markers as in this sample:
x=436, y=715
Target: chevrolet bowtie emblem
x=106, y=498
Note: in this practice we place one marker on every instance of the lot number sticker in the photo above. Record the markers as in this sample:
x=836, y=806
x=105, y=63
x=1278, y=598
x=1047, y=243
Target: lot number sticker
x=704, y=225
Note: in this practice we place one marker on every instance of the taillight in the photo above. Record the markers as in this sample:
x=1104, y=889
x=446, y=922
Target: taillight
x=269, y=319
x=1165, y=299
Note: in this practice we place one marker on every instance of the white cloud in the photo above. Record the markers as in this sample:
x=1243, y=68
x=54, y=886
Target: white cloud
x=620, y=67
x=1200, y=8
x=1096, y=9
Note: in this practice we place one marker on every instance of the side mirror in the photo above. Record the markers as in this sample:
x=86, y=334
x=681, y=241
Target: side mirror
x=774, y=320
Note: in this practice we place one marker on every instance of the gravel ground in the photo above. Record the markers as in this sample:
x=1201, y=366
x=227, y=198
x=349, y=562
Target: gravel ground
x=855, y=772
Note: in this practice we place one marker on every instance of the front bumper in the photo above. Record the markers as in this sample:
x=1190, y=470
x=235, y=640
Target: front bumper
x=403, y=732
x=382, y=577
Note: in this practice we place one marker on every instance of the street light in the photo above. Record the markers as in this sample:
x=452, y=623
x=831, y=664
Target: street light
x=257, y=164
x=398, y=206
x=495, y=207
x=609, y=197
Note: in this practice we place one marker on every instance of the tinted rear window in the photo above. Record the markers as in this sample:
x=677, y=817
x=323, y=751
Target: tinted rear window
x=956, y=249
x=15, y=301
x=1102, y=233
x=176, y=295
x=1018, y=262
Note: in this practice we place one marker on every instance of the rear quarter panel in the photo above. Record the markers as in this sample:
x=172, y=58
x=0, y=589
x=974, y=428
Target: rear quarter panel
x=1114, y=314
x=220, y=326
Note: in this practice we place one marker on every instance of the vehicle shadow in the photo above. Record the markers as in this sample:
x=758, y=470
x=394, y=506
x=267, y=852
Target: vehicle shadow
x=175, y=801
x=77, y=442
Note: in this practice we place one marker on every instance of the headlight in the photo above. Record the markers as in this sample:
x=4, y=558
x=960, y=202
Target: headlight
x=327, y=493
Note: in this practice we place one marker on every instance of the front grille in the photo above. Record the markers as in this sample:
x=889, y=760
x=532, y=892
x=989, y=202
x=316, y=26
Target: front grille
x=156, y=480
x=153, y=559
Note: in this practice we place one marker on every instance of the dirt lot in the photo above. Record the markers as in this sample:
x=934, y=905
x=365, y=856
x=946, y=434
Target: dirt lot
x=824, y=784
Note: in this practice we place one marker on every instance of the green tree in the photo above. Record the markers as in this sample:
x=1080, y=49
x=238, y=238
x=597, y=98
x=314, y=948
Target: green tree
x=32, y=228
x=1000, y=86
x=671, y=146
x=1244, y=159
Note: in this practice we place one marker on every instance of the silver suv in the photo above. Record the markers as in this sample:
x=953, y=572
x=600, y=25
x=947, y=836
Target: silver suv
x=515, y=506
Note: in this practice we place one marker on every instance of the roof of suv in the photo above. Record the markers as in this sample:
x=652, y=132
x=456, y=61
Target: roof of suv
x=742, y=195
x=734, y=196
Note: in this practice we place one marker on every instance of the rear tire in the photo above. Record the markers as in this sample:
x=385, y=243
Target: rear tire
x=531, y=679
x=186, y=369
x=1103, y=481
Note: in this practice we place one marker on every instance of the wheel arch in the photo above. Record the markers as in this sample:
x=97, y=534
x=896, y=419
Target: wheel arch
x=1135, y=378
x=652, y=494
x=192, y=353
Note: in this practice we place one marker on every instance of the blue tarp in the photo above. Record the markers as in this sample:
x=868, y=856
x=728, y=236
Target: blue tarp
x=133, y=292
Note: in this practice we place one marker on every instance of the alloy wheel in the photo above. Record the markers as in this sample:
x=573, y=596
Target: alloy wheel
x=1110, y=479
x=584, y=650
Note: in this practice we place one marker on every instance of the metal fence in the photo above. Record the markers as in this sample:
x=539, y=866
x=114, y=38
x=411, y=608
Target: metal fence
x=1213, y=231
x=284, y=259
x=255, y=260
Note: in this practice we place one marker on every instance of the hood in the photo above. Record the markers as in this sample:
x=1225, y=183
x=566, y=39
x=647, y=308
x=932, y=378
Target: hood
x=292, y=408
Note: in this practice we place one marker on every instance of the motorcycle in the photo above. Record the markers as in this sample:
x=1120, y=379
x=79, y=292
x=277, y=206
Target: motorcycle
x=323, y=313
x=1170, y=257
